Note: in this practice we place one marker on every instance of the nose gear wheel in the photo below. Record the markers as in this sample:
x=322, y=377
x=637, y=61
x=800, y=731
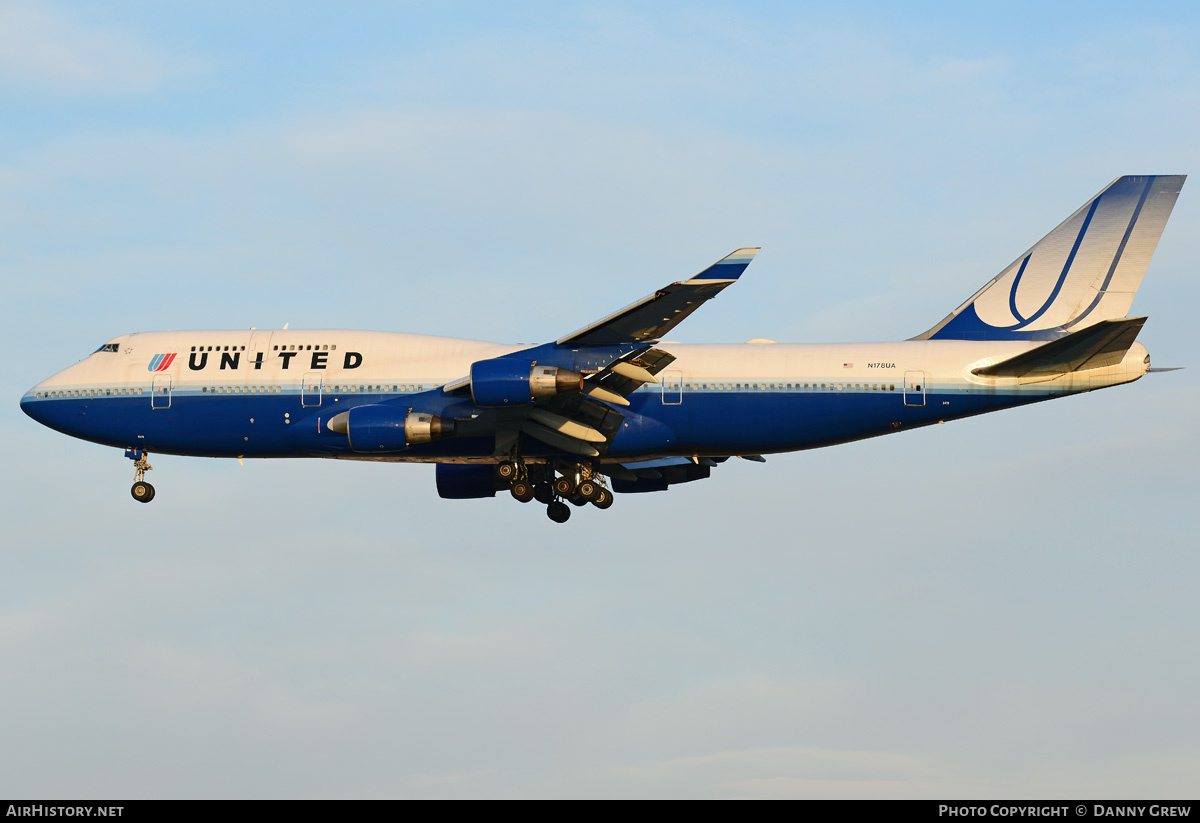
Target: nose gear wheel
x=141, y=491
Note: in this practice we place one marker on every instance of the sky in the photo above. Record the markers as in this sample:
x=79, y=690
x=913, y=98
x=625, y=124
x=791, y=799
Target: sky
x=998, y=607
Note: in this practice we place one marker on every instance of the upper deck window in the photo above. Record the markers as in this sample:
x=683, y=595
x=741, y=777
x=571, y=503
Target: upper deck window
x=106, y=347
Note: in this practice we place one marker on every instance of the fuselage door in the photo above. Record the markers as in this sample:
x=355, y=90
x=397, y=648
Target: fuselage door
x=914, y=388
x=160, y=392
x=310, y=391
x=260, y=347
x=672, y=386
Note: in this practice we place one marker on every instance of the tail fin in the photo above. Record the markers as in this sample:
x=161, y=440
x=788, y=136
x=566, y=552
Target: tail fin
x=1085, y=271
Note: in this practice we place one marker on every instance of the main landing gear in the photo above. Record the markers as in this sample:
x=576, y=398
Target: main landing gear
x=579, y=485
x=142, y=491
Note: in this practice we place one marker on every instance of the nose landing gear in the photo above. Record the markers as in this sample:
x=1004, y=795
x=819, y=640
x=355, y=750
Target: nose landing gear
x=142, y=491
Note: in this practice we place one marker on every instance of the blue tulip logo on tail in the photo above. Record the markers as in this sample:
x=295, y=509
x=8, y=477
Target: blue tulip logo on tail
x=161, y=362
x=1085, y=271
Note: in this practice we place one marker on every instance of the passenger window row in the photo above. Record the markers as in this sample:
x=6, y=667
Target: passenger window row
x=405, y=388
x=279, y=347
x=48, y=395
x=778, y=387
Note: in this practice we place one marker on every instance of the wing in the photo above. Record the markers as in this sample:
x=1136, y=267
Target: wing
x=563, y=394
x=653, y=316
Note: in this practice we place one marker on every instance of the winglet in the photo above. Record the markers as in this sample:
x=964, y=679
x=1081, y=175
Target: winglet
x=727, y=268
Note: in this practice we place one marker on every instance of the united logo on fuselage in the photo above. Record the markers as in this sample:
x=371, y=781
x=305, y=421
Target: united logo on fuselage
x=233, y=360
x=161, y=362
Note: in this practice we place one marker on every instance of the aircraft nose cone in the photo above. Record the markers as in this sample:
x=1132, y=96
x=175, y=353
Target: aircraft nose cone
x=30, y=404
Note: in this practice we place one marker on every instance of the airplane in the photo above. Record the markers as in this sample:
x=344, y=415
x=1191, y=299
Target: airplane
x=612, y=407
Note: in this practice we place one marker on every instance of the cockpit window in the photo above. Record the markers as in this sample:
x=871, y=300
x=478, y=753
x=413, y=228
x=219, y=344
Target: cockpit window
x=106, y=347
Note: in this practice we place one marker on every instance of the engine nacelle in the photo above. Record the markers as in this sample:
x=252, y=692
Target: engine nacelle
x=512, y=382
x=465, y=482
x=379, y=428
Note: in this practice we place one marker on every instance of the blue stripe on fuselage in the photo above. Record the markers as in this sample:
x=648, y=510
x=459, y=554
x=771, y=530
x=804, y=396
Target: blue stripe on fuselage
x=705, y=422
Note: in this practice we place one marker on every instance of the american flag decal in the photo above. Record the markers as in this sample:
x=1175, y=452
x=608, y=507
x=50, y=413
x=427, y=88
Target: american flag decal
x=847, y=365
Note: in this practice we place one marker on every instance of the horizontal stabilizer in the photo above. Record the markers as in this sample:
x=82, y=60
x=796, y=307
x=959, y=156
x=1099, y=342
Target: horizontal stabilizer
x=1095, y=347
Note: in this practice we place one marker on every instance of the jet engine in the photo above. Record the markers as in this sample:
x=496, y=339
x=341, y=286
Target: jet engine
x=465, y=481
x=511, y=382
x=379, y=428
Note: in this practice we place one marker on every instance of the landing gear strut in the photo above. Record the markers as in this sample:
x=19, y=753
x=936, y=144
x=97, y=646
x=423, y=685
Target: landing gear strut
x=515, y=474
x=142, y=491
x=579, y=485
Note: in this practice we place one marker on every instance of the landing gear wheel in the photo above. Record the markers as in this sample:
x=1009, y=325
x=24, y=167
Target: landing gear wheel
x=563, y=487
x=576, y=500
x=142, y=491
x=558, y=512
x=522, y=491
x=506, y=471
x=603, y=500
x=543, y=493
x=587, y=490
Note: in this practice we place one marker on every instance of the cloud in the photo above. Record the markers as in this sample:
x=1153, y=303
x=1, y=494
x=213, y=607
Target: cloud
x=801, y=772
x=43, y=50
